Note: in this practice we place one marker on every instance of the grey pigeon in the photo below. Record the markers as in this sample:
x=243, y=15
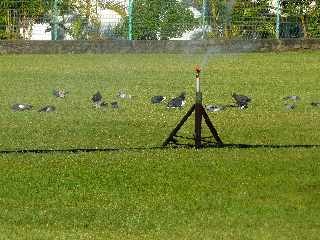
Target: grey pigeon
x=60, y=93
x=97, y=97
x=18, y=107
x=98, y=101
x=290, y=106
x=315, y=104
x=157, y=99
x=114, y=105
x=123, y=95
x=48, y=108
x=177, y=102
x=293, y=97
x=241, y=100
x=215, y=108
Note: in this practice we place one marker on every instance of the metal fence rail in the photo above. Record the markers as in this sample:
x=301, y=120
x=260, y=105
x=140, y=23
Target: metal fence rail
x=158, y=19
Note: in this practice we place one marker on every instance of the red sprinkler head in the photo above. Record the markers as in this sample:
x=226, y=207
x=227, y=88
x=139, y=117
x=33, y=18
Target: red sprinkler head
x=198, y=69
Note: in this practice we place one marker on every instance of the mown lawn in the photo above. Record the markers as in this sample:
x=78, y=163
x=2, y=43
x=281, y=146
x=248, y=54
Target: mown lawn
x=146, y=193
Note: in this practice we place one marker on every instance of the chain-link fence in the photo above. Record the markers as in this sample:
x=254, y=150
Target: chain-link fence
x=158, y=19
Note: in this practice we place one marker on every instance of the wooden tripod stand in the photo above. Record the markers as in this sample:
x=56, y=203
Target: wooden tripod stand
x=199, y=113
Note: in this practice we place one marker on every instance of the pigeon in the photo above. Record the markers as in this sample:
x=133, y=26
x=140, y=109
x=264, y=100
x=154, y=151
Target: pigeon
x=177, y=102
x=290, y=106
x=123, y=95
x=315, y=104
x=157, y=99
x=293, y=97
x=215, y=108
x=48, y=108
x=60, y=93
x=97, y=100
x=97, y=97
x=241, y=100
x=18, y=107
x=114, y=105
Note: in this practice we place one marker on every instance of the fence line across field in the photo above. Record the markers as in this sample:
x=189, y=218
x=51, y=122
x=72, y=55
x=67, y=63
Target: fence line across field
x=138, y=20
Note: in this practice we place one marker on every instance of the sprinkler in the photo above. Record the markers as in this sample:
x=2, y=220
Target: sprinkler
x=198, y=106
x=200, y=112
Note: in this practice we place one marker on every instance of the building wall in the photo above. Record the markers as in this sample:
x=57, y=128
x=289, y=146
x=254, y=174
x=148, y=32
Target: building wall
x=136, y=46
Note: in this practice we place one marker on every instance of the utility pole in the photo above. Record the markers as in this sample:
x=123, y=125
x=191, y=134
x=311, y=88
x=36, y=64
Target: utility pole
x=130, y=20
x=278, y=14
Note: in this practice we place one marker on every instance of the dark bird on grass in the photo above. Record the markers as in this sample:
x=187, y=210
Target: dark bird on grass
x=315, y=104
x=123, y=95
x=60, y=93
x=177, y=102
x=293, y=97
x=18, y=107
x=290, y=106
x=48, y=108
x=216, y=108
x=97, y=97
x=157, y=99
x=242, y=101
x=114, y=105
x=98, y=101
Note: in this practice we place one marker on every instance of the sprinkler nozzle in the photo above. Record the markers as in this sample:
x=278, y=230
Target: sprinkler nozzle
x=198, y=69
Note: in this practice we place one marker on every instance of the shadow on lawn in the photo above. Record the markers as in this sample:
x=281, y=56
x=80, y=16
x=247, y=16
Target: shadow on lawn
x=185, y=146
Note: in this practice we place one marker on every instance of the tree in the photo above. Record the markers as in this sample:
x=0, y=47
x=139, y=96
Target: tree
x=21, y=14
x=302, y=10
x=17, y=14
x=84, y=21
x=253, y=19
x=158, y=19
x=239, y=18
x=218, y=14
x=77, y=17
x=314, y=22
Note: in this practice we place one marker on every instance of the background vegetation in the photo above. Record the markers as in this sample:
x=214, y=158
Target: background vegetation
x=256, y=19
x=155, y=19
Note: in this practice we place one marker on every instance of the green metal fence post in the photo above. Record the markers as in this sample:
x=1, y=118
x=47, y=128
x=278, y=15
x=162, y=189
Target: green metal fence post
x=130, y=20
x=55, y=21
x=204, y=22
x=278, y=13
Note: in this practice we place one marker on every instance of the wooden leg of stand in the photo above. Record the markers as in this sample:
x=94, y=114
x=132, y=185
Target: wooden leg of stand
x=210, y=126
x=198, y=120
x=174, y=131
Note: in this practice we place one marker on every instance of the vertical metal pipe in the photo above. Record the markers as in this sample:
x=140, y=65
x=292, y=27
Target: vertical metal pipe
x=204, y=22
x=278, y=15
x=198, y=91
x=198, y=110
x=130, y=20
x=197, y=84
x=55, y=21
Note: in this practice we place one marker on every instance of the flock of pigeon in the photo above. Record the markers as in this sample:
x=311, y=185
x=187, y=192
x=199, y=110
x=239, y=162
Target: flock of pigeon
x=19, y=107
x=96, y=99
x=177, y=102
x=240, y=101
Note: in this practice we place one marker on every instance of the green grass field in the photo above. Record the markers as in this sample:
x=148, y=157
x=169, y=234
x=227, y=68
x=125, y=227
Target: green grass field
x=144, y=193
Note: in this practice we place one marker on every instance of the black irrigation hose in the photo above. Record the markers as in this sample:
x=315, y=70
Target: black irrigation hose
x=74, y=150
x=173, y=146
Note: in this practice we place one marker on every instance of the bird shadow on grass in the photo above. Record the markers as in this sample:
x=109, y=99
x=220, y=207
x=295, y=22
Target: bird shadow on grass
x=181, y=146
